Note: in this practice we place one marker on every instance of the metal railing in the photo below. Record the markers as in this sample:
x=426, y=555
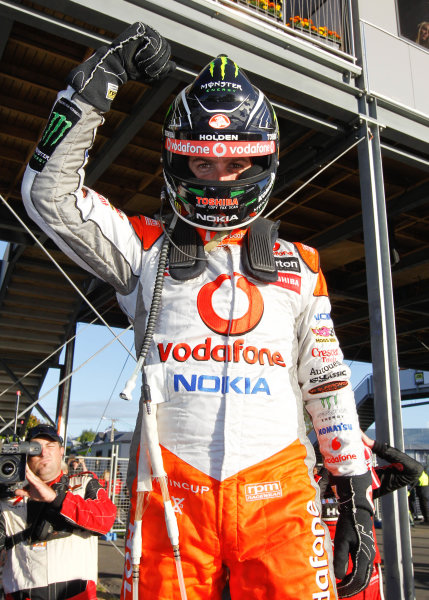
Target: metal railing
x=111, y=472
x=325, y=23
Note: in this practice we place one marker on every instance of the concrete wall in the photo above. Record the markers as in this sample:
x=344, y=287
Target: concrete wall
x=381, y=13
x=395, y=66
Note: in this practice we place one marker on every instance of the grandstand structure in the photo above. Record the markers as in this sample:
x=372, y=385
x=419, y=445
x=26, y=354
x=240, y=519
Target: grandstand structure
x=347, y=80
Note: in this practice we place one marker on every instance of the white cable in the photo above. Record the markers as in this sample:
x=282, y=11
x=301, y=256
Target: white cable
x=118, y=549
x=110, y=398
x=314, y=177
x=18, y=381
x=30, y=406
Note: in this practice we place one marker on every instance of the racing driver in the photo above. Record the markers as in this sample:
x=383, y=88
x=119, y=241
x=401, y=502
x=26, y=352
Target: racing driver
x=243, y=341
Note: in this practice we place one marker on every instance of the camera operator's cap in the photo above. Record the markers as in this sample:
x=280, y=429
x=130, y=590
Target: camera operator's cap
x=44, y=430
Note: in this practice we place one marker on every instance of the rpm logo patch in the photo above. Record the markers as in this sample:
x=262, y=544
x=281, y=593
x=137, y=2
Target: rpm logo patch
x=263, y=491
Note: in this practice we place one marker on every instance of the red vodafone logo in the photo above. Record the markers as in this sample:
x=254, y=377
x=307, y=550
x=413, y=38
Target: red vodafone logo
x=236, y=326
x=219, y=121
x=336, y=444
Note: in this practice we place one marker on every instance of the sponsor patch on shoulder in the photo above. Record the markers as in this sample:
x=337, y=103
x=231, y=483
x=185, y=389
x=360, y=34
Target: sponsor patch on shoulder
x=64, y=116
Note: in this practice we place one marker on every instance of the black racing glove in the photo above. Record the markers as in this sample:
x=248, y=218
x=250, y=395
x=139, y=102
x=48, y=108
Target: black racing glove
x=138, y=53
x=354, y=534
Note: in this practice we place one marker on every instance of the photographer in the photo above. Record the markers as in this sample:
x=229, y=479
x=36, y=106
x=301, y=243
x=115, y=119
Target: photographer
x=48, y=528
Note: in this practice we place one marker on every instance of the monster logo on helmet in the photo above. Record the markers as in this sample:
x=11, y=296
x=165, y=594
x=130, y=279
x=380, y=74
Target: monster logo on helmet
x=221, y=88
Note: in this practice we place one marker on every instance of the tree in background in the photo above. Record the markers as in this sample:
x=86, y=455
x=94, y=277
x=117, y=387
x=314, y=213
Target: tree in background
x=32, y=422
x=85, y=438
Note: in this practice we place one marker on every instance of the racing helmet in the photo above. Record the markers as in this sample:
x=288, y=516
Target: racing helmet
x=220, y=114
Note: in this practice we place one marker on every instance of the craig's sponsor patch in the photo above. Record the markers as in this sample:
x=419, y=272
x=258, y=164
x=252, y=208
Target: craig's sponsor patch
x=263, y=491
x=228, y=149
x=327, y=376
x=326, y=355
x=335, y=428
x=288, y=264
x=328, y=387
x=63, y=118
x=341, y=458
x=213, y=384
x=289, y=282
x=206, y=351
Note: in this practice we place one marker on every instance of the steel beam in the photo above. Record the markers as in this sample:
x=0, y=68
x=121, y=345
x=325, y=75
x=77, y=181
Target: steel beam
x=304, y=161
x=30, y=396
x=64, y=389
x=408, y=201
x=285, y=65
x=396, y=532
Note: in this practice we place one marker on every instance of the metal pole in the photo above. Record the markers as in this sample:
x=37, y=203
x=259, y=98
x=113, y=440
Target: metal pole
x=398, y=566
x=63, y=401
x=114, y=467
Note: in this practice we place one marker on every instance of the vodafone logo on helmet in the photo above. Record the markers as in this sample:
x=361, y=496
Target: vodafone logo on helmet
x=219, y=149
x=228, y=148
x=211, y=315
x=219, y=121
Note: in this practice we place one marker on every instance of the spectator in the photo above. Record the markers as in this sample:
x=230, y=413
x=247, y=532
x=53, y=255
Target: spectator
x=423, y=34
x=105, y=482
x=50, y=527
x=402, y=471
x=76, y=465
x=412, y=504
x=105, y=479
x=422, y=491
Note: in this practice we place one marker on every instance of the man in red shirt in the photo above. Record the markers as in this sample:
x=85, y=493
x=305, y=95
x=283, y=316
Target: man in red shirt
x=49, y=527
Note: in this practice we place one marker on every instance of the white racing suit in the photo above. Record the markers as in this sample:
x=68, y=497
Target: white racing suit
x=232, y=363
x=52, y=548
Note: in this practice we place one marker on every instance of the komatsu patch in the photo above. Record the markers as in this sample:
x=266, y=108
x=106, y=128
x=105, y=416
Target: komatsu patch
x=63, y=118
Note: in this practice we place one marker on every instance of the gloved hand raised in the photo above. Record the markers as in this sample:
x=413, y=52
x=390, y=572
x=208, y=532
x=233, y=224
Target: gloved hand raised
x=354, y=533
x=138, y=53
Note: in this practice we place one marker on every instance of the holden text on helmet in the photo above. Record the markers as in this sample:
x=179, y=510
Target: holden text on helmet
x=219, y=136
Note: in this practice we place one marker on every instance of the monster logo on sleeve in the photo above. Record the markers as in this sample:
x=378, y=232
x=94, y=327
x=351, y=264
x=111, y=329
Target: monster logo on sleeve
x=63, y=118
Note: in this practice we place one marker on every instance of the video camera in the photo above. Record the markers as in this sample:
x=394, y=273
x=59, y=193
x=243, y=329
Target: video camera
x=13, y=460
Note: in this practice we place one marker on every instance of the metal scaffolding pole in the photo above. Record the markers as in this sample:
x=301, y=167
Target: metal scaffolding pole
x=63, y=401
x=398, y=567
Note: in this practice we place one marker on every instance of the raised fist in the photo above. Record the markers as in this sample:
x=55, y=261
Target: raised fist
x=138, y=53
